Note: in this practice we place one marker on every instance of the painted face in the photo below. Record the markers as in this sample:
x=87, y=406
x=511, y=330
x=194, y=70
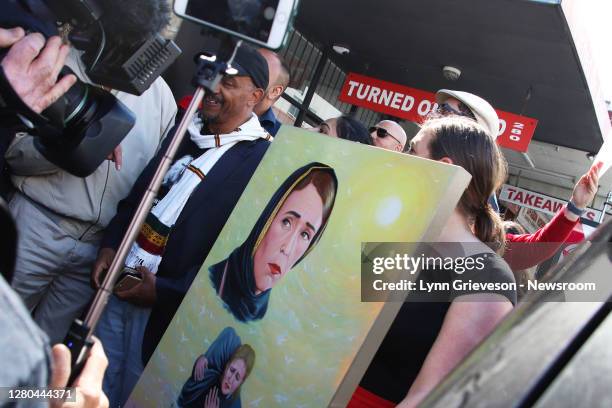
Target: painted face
x=419, y=145
x=327, y=128
x=288, y=237
x=229, y=100
x=233, y=376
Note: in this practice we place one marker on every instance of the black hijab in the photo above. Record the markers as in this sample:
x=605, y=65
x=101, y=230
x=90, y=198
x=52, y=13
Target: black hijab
x=239, y=283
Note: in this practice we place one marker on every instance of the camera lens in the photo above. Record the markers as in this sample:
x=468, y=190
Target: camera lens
x=89, y=123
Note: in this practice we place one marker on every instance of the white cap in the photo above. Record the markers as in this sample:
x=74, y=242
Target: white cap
x=482, y=110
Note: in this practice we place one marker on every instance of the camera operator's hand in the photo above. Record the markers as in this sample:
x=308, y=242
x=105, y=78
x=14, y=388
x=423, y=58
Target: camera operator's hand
x=10, y=37
x=103, y=262
x=32, y=66
x=88, y=385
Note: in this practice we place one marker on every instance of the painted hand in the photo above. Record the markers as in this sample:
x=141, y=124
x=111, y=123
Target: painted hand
x=200, y=367
x=212, y=398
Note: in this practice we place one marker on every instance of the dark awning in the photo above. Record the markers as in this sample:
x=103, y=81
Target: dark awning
x=519, y=55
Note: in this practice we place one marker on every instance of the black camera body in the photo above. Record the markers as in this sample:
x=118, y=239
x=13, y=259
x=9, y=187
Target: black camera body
x=83, y=127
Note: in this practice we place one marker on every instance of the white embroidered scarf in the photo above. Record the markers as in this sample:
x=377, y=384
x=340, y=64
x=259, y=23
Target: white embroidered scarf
x=183, y=177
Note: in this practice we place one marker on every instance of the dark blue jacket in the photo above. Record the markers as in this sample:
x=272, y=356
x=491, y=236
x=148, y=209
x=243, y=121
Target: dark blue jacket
x=196, y=228
x=6, y=138
x=269, y=122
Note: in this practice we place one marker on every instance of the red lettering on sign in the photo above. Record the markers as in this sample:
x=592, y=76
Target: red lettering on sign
x=510, y=192
x=538, y=202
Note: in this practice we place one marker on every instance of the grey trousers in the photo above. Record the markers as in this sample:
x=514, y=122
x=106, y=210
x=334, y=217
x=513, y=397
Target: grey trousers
x=52, y=269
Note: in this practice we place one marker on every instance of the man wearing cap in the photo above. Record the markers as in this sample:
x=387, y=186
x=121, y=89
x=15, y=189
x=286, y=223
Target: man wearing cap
x=389, y=135
x=279, y=80
x=214, y=163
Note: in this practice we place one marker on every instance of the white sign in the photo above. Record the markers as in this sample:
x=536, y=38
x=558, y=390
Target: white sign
x=539, y=202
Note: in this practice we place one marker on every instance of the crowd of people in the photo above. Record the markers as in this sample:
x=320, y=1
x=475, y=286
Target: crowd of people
x=70, y=228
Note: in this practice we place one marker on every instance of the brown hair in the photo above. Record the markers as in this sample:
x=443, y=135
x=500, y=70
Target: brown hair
x=325, y=184
x=522, y=276
x=467, y=144
x=245, y=353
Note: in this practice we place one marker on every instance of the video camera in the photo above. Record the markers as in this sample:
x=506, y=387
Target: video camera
x=83, y=127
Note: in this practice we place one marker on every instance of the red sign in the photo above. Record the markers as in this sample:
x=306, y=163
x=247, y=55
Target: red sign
x=412, y=104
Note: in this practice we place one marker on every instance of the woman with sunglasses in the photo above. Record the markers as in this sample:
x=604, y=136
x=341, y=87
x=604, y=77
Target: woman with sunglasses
x=428, y=339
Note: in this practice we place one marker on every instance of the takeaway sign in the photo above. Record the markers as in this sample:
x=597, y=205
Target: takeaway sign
x=414, y=104
x=539, y=202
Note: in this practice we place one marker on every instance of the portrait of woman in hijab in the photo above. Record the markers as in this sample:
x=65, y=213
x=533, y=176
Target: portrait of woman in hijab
x=287, y=230
x=218, y=374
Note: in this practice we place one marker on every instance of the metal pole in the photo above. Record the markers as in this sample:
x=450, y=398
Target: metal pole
x=140, y=215
x=312, y=87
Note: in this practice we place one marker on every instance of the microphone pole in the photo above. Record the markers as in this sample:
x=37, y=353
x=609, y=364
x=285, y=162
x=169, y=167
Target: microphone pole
x=209, y=73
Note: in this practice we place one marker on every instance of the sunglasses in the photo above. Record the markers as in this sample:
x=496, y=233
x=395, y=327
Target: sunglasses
x=382, y=133
x=446, y=109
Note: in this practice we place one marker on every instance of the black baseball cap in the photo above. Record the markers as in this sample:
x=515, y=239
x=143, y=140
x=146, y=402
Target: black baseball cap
x=249, y=62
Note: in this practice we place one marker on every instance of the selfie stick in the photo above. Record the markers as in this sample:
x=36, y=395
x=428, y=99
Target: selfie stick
x=209, y=73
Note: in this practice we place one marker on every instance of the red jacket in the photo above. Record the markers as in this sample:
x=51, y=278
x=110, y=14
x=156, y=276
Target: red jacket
x=521, y=254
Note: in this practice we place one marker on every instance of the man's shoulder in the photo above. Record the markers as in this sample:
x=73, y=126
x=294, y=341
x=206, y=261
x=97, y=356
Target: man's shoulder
x=268, y=115
x=160, y=94
x=269, y=122
x=245, y=151
x=243, y=158
x=255, y=148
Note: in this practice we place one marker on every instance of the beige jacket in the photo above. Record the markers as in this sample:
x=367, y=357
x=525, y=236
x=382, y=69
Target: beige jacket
x=88, y=204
